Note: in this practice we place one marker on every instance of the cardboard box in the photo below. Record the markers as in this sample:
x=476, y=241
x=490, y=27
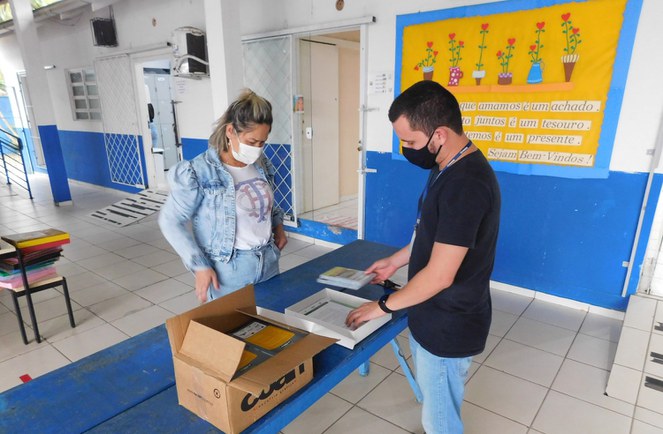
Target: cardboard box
x=303, y=315
x=206, y=360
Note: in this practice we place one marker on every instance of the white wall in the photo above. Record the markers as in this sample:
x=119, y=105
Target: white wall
x=68, y=44
x=9, y=52
x=642, y=105
x=262, y=16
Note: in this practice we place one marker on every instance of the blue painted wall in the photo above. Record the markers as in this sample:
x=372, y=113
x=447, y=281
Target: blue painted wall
x=565, y=237
x=193, y=147
x=323, y=231
x=57, y=171
x=86, y=160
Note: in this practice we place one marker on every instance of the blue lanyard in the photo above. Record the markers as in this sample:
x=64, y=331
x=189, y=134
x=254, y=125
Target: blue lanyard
x=430, y=183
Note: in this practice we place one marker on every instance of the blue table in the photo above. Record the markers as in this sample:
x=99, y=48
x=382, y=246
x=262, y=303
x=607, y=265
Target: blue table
x=130, y=387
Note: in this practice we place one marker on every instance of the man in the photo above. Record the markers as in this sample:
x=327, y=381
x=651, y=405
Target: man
x=451, y=256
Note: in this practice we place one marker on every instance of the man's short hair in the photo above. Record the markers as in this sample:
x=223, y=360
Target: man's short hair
x=427, y=105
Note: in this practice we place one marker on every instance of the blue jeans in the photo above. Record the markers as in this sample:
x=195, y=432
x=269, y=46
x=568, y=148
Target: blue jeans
x=442, y=383
x=244, y=267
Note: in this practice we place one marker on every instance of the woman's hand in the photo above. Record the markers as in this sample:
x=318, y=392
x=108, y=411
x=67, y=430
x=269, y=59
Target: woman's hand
x=203, y=279
x=280, y=238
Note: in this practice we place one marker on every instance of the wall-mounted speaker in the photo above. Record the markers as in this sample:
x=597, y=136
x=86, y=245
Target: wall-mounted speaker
x=103, y=32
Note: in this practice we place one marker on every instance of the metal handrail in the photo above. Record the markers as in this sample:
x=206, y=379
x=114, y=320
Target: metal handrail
x=13, y=163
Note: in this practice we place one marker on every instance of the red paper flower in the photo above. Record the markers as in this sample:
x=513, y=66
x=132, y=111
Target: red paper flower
x=482, y=46
x=430, y=58
x=535, y=49
x=505, y=56
x=454, y=48
x=571, y=33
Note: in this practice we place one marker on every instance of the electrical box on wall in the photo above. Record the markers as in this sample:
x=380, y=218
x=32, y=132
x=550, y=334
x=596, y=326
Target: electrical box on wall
x=189, y=53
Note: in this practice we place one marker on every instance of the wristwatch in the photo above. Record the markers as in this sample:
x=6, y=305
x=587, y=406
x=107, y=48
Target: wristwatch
x=382, y=302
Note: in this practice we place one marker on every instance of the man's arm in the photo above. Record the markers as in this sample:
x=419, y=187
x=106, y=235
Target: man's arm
x=384, y=268
x=436, y=276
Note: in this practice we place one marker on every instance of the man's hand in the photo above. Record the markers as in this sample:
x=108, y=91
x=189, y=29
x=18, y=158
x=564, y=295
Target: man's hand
x=279, y=237
x=383, y=268
x=203, y=279
x=363, y=313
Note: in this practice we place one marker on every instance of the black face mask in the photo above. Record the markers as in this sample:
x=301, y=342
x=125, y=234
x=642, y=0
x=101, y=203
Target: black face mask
x=422, y=157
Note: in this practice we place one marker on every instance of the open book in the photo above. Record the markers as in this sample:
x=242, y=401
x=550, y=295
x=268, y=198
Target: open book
x=324, y=313
x=345, y=278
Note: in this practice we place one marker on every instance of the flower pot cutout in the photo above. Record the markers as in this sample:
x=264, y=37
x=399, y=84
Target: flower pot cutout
x=535, y=73
x=504, y=78
x=455, y=74
x=428, y=72
x=478, y=75
x=569, y=62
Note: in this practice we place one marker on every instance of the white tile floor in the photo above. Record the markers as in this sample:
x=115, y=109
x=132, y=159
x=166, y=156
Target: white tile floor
x=343, y=214
x=544, y=369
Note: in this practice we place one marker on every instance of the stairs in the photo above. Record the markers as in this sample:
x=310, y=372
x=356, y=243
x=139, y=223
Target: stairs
x=637, y=372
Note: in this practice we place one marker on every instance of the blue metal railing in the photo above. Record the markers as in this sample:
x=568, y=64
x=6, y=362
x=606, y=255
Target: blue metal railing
x=12, y=163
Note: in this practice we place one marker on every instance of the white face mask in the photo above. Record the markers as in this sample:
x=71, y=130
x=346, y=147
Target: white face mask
x=247, y=154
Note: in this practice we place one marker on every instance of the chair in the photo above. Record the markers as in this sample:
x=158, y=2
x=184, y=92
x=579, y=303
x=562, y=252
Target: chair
x=31, y=288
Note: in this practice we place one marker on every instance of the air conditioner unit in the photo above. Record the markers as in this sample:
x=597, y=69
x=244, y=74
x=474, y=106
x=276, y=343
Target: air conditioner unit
x=189, y=53
x=103, y=32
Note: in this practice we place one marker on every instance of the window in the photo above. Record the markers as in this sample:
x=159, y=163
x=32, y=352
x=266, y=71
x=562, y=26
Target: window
x=84, y=94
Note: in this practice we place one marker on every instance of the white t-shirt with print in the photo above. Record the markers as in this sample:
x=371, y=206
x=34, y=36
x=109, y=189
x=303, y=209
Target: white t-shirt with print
x=254, y=199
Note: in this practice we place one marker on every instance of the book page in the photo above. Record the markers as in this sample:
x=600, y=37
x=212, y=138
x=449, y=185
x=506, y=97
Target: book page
x=329, y=311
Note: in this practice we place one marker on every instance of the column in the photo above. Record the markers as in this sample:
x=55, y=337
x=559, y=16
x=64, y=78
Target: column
x=37, y=82
x=224, y=48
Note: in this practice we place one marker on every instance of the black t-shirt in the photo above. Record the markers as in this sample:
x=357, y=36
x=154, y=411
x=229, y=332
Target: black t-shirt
x=462, y=208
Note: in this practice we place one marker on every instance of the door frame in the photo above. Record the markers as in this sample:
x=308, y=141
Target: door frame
x=320, y=29
x=153, y=162
x=24, y=107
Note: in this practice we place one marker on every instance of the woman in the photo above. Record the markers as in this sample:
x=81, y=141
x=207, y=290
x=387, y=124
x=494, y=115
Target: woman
x=227, y=194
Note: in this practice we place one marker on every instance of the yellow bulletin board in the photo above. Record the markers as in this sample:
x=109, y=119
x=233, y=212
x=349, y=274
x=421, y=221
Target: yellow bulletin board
x=540, y=84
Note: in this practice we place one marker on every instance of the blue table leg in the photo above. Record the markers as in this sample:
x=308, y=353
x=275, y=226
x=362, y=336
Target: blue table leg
x=365, y=368
x=406, y=369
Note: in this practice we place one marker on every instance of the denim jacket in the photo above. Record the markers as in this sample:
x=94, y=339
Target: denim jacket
x=203, y=192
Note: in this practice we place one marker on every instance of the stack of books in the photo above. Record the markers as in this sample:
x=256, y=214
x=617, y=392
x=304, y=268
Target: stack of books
x=263, y=340
x=40, y=250
x=345, y=278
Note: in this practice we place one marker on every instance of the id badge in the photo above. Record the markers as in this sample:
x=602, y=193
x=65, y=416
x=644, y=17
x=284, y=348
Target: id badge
x=414, y=235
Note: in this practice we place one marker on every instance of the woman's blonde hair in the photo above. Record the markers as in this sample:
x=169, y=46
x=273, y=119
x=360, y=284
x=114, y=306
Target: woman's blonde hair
x=243, y=114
